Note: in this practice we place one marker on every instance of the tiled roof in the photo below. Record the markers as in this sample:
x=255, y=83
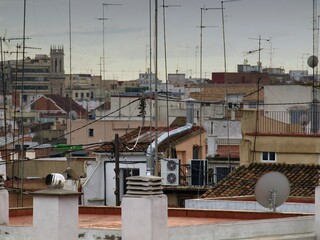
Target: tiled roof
x=145, y=137
x=217, y=93
x=104, y=106
x=67, y=104
x=224, y=150
x=178, y=122
x=303, y=179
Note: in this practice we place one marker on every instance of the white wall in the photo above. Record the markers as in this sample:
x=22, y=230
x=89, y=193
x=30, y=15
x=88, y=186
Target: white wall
x=275, y=94
x=93, y=187
x=247, y=205
x=251, y=229
x=217, y=133
x=101, y=182
x=3, y=169
x=110, y=180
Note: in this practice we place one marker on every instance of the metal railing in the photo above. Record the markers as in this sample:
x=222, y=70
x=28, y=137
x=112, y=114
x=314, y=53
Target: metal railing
x=289, y=122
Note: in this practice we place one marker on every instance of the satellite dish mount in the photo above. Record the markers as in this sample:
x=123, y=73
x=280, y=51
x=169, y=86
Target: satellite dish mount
x=272, y=190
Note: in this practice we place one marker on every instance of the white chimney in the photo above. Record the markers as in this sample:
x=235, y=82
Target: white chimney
x=55, y=211
x=144, y=209
x=4, y=203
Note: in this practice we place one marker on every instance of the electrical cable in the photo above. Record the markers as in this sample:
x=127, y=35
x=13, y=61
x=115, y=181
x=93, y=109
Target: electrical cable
x=135, y=144
x=79, y=128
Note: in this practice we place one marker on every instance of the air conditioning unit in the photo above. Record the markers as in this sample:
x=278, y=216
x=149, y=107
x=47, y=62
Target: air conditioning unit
x=199, y=172
x=170, y=171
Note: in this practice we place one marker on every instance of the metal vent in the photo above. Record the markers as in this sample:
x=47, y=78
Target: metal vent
x=144, y=186
x=171, y=165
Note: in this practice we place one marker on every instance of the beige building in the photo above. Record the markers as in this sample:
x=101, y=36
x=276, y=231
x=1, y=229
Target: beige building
x=265, y=139
x=286, y=130
x=91, y=131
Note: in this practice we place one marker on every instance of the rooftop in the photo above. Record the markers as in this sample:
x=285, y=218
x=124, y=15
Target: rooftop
x=104, y=217
x=303, y=179
x=144, y=136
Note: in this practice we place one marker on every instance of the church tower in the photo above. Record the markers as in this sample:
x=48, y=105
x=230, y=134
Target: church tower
x=57, y=70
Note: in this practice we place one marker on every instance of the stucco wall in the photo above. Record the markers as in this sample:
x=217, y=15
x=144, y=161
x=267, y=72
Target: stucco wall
x=41, y=168
x=247, y=206
x=233, y=230
x=275, y=94
x=289, y=149
x=185, y=149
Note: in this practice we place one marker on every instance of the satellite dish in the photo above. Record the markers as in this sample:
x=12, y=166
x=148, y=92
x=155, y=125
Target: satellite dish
x=312, y=61
x=73, y=115
x=272, y=190
x=304, y=119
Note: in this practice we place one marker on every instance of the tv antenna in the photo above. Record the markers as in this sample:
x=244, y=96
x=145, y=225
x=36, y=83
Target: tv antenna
x=272, y=190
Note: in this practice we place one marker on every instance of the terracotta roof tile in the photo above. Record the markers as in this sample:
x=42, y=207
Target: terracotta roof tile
x=217, y=93
x=67, y=104
x=303, y=179
x=224, y=150
x=127, y=141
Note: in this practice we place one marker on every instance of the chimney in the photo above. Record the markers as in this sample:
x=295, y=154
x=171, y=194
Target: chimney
x=190, y=110
x=144, y=209
x=55, y=211
x=4, y=203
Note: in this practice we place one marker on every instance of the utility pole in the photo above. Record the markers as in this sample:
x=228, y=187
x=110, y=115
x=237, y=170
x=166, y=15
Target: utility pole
x=258, y=90
x=164, y=6
x=21, y=108
x=201, y=28
x=4, y=88
x=117, y=168
x=225, y=79
x=103, y=40
x=201, y=61
x=154, y=168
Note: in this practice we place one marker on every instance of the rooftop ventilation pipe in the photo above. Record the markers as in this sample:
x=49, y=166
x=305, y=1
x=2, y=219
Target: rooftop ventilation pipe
x=151, y=148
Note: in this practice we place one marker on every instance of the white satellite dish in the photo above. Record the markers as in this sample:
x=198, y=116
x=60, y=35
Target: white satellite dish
x=272, y=190
x=73, y=115
x=304, y=119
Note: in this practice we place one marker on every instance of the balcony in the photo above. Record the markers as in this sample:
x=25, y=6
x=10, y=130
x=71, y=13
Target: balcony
x=281, y=122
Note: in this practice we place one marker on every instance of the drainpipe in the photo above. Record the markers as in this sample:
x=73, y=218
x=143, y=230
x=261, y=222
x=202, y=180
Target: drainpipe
x=151, y=148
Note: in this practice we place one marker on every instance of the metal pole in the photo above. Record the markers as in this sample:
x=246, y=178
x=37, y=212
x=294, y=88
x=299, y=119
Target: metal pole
x=21, y=110
x=154, y=169
x=117, y=169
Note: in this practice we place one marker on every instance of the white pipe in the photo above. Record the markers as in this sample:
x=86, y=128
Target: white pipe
x=152, y=146
x=88, y=178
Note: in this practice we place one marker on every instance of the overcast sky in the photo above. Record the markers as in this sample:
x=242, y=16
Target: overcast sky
x=287, y=22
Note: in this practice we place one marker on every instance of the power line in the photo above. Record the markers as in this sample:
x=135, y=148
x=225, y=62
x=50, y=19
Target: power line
x=79, y=128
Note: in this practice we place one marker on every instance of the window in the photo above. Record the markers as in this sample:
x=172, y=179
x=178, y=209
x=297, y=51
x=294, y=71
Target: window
x=252, y=105
x=195, y=152
x=221, y=172
x=268, y=157
x=90, y=132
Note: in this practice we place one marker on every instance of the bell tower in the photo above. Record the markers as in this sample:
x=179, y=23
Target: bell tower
x=57, y=70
